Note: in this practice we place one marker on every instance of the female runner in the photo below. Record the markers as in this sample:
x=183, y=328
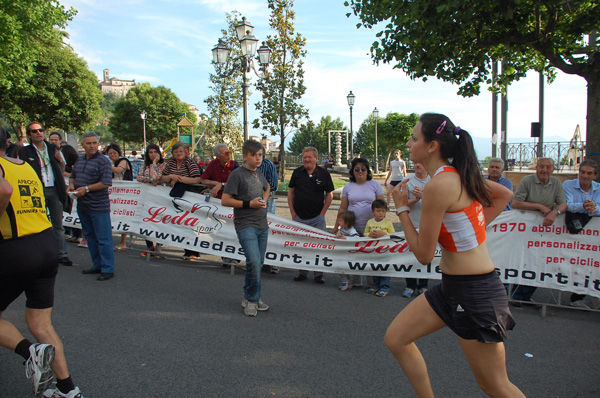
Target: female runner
x=471, y=299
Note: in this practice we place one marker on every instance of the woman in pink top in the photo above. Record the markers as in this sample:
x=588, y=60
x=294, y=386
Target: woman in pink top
x=457, y=204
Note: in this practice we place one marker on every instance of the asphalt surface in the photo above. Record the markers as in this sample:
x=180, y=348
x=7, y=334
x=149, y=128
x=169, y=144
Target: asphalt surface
x=171, y=328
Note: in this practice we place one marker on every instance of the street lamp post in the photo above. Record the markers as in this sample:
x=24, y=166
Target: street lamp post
x=350, y=98
x=248, y=46
x=143, y=116
x=376, y=116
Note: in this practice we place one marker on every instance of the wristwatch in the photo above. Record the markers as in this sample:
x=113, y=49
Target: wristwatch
x=87, y=189
x=558, y=211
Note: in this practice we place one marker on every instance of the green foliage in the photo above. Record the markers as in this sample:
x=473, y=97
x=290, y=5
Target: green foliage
x=393, y=132
x=226, y=84
x=309, y=135
x=459, y=41
x=26, y=27
x=164, y=110
x=61, y=92
x=283, y=84
x=107, y=106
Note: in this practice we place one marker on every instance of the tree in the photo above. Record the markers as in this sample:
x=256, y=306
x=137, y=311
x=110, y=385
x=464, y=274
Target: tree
x=163, y=109
x=61, y=92
x=226, y=84
x=26, y=26
x=393, y=132
x=458, y=41
x=107, y=107
x=282, y=86
x=309, y=135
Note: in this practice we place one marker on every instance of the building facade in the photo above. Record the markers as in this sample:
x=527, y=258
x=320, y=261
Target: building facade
x=115, y=85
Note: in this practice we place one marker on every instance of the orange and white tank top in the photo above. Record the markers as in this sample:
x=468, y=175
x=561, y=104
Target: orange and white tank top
x=26, y=211
x=464, y=229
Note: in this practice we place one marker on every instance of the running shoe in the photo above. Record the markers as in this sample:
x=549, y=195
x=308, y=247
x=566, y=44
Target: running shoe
x=422, y=290
x=55, y=393
x=382, y=292
x=345, y=286
x=372, y=290
x=251, y=309
x=37, y=367
x=408, y=292
x=260, y=307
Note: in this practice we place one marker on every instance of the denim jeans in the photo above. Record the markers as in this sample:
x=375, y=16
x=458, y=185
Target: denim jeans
x=271, y=205
x=317, y=222
x=381, y=282
x=254, y=243
x=55, y=210
x=98, y=232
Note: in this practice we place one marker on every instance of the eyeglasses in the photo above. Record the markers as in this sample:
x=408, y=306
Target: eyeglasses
x=359, y=169
x=225, y=153
x=36, y=130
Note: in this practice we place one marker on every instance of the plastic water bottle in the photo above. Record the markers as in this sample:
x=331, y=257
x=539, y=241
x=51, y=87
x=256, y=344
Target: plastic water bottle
x=284, y=187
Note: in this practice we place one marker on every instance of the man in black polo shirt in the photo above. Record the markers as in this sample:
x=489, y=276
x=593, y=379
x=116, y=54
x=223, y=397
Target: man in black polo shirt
x=310, y=194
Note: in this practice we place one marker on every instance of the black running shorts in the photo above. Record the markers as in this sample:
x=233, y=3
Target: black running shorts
x=475, y=307
x=29, y=264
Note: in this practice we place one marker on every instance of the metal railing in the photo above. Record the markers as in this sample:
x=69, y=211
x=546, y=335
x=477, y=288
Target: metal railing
x=518, y=155
x=522, y=155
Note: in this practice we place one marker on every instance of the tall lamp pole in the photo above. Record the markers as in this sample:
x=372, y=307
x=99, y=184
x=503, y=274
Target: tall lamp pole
x=143, y=116
x=376, y=116
x=248, y=46
x=350, y=98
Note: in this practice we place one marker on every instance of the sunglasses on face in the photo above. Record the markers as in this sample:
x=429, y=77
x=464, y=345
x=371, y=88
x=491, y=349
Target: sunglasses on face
x=36, y=130
x=359, y=169
x=225, y=153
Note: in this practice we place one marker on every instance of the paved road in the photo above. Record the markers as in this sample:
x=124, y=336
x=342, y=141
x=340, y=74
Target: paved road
x=169, y=328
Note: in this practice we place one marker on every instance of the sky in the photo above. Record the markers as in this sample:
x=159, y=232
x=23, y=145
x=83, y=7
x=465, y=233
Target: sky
x=169, y=42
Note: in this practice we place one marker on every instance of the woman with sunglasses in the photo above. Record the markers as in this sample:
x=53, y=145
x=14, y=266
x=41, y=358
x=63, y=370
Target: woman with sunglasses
x=357, y=196
x=457, y=205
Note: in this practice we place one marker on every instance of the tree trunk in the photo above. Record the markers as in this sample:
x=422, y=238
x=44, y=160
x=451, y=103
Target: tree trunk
x=282, y=158
x=593, y=121
x=387, y=158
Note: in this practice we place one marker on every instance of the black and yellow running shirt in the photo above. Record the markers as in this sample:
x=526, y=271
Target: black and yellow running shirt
x=26, y=212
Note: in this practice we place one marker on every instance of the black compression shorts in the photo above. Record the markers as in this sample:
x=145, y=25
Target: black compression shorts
x=29, y=264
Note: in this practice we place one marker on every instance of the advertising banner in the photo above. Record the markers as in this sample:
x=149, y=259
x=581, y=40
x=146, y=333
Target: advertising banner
x=523, y=251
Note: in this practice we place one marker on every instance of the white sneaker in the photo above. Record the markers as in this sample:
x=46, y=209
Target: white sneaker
x=422, y=290
x=55, y=393
x=345, y=286
x=261, y=306
x=579, y=304
x=250, y=309
x=37, y=367
x=408, y=292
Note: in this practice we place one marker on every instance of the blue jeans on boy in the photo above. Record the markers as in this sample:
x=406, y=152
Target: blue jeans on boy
x=254, y=243
x=98, y=232
x=381, y=282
